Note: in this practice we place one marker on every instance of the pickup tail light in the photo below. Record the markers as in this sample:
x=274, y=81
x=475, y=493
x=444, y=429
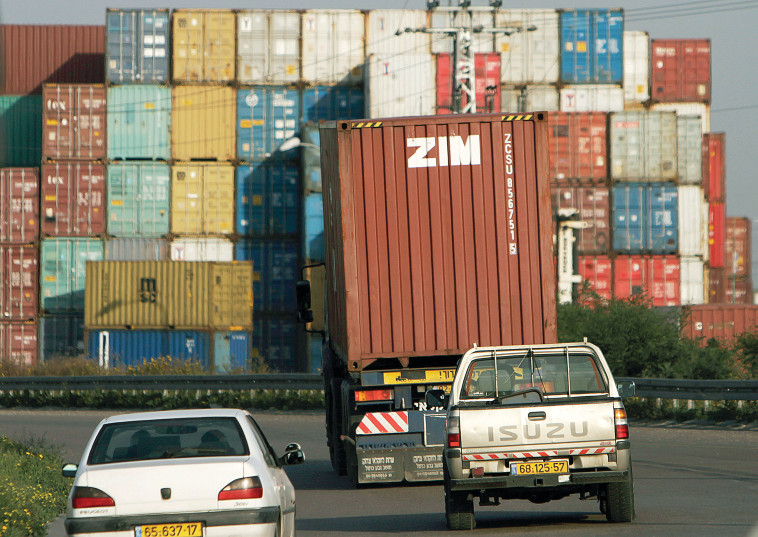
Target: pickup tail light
x=86, y=497
x=454, y=431
x=622, y=425
x=364, y=396
x=247, y=488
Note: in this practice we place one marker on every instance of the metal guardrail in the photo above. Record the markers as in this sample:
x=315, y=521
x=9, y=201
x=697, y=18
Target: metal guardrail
x=698, y=390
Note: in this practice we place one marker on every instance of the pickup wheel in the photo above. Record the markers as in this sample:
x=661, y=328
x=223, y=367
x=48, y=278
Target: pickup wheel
x=459, y=510
x=619, y=501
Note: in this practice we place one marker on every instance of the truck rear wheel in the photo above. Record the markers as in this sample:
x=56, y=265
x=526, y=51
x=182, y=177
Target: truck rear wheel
x=619, y=501
x=459, y=510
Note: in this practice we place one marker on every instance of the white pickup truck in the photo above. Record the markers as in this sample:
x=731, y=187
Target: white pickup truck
x=538, y=422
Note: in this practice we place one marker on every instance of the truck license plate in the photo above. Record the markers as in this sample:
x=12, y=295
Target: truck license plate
x=184, y=529
x=558, y=466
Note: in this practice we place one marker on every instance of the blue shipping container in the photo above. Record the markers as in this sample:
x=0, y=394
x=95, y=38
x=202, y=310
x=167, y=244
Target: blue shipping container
x=137, y=46
x=275, y=341
x=139, y=121
x=592, y=46
x=268, y=196
x=138, y=199
x=276, y=271
x=331, y=103
x=231, y=351
x=311, y=159
x=61, y=335
x=645, y=218
x=313, y=228
x=266, y=117
x=135, y=347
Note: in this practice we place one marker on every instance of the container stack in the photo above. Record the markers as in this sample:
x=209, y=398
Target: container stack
x=738, y=250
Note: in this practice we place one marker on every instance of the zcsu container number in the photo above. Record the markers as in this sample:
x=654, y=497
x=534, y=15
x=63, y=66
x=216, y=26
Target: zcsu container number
x=535, y=468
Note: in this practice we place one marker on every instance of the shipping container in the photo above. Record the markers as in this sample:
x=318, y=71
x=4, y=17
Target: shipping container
x=201, y=249
x=332, y=102
x=61, y=335
x=578, y=149
x=133, y=348
x=139, y=122
x=717, y=281
x=20, y=130
x=72, y=199
x=692, y=280
x=399, y=86
x=137, y=46
x=591, y=98
x=681, y=70
x=277, y=270
x=714, y=167
x=451, y=17
x=232, y=351
x=636, y=66
x=592, y=46
x=268, y=199
x=266, y=117
x=268, y=47
x=18, y=342
x=313, y=228
x=167, y=294
x=643, y=146
x=136, y=249
x=202, y=123
x=693, y=222
x=19, y=283
x=62, y=264
x=739, y=246
x=73, y=121
x=531, y=54
x=689, y=150
x=311, y=158
x=333, y=46
x=486, y=82
x=597, y=273
x=19, y=205
x=385, y=32
x=656, y=276
x=645, y=218
x=532, y=97
x=275, y=342
x=717, y=235
x=34, y=55
x=723, y=322
x=594, y=209
x=699, y=110
x=203, y=46
x=138, y=199
x=202, y=198
x=739, y=291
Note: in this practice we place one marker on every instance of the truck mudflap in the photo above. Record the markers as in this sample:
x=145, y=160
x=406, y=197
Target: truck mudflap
x=393, y=466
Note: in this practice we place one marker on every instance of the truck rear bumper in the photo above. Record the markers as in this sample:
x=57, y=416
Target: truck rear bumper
x=542, y=481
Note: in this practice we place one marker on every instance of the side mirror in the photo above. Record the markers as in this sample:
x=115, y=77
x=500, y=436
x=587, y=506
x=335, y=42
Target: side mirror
x=436, y=399
x=626, y=388
x=292, y=455
x=303, y=293
x=69, y=470
x=292, y=447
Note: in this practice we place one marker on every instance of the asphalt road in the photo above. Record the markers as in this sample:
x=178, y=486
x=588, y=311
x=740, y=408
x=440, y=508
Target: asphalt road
x=689, y=481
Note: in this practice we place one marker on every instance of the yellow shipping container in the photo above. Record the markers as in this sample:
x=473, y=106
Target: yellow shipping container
x=203, y=46
x=203, y=123
x=202, y=198
x=169, y=294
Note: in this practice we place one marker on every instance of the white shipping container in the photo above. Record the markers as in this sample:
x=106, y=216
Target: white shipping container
x=636, y=66
x=592, y=98
x=529, y=99
x=643, y=146
x=400, y=86
x=202, y=249
x=693, y=222
x=333, y=46
x=382, y=26
x=268, y=47
x=528, y=57
x=689, y=150
x=456, y=18
x=135, y=249
x=688, y=109
x=692, y=280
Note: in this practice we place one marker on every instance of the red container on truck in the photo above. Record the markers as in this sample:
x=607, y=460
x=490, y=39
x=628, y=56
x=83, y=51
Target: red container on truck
x=438, y=238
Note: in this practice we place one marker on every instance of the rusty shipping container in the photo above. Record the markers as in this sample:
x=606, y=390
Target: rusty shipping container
x=723, y=322
x=18, y=342
x=717, y=285
x=438, y=235
x=168, y=294
x=73, y=121
x=738, y=246
x=19, y=282
x=594, y=208
x=203, y=45
x=681, y=70
x=19, y=205
x=72, y=199
x=202, y=123
x=34, y=55
x=714, y=167
x=578, y=147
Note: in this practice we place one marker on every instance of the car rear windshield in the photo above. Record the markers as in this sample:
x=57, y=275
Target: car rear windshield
x=165, y=439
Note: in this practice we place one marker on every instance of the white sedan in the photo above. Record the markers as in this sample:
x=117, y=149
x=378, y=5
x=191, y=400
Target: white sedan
x=181, y=473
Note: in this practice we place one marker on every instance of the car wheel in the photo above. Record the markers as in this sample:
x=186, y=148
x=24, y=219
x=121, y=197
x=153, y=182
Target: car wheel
x=459, y=510
x=619, y=500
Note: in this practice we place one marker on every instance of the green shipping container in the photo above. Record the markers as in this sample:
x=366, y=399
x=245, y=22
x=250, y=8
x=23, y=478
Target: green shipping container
x=139, y=117
x=20, y=130
x=138, y=199
x=62, y=272
x=169, y=294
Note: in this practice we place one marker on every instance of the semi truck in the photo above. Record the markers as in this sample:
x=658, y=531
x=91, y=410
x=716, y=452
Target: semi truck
x=437, y=233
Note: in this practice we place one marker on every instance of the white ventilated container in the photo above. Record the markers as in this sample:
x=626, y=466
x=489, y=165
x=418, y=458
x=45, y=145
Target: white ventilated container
x=440, y=18
x=693, y=222
x=643, y=146
x=530, y=98
x=268, y=47
x=382, y=26
x=688, y=109
x=333, y=46
x=528, y=57
x=400, y=85
x=689, y=150
x=692, y=281
x=591, y=98
x=202, y=249
x=636, y=66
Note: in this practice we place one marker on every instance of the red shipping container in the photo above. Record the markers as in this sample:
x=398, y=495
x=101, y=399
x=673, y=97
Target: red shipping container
x=19, y=289
x=654, y=275
x=717, y=281
x=738, y=247
x=717, y=235
x=714, y=167
x=598, y=272
x=486, y=83
x=739, y=291
x=34, y=55
x=723, y=322
x=18, y=342
x=593, y=204
x=578, y=147
x=19, y=205
x=73, y=199
x=73, y=122
x=681, y=70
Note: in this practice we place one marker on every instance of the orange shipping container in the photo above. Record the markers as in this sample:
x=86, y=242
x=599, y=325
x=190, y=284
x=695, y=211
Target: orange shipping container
x=723, y=322
x=203, y=123
x=738, y=246
x=73, y=121
x=203, y=45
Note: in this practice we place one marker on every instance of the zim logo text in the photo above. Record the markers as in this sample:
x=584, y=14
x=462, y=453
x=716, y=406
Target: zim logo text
x=450, y=151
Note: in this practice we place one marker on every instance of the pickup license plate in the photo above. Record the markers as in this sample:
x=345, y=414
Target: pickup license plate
x=558, y=466
x=184, y=529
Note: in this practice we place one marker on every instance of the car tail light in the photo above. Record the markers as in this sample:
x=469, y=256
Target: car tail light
x=246, y=488
x=85, y=497
x=622, y=425
x=363, y=396
x=454, y=431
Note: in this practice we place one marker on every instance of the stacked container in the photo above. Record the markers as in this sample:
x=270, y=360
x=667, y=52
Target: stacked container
x=739, y=266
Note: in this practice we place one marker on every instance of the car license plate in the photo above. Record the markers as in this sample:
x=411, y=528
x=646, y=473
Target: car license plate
x=184, y=529
x=558, y=466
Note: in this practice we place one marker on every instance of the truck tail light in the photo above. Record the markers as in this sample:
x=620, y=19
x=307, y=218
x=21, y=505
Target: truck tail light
x=622, y=425
x=453, y=431
x=246, y=488
x=85, y=497
x=364, y=396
